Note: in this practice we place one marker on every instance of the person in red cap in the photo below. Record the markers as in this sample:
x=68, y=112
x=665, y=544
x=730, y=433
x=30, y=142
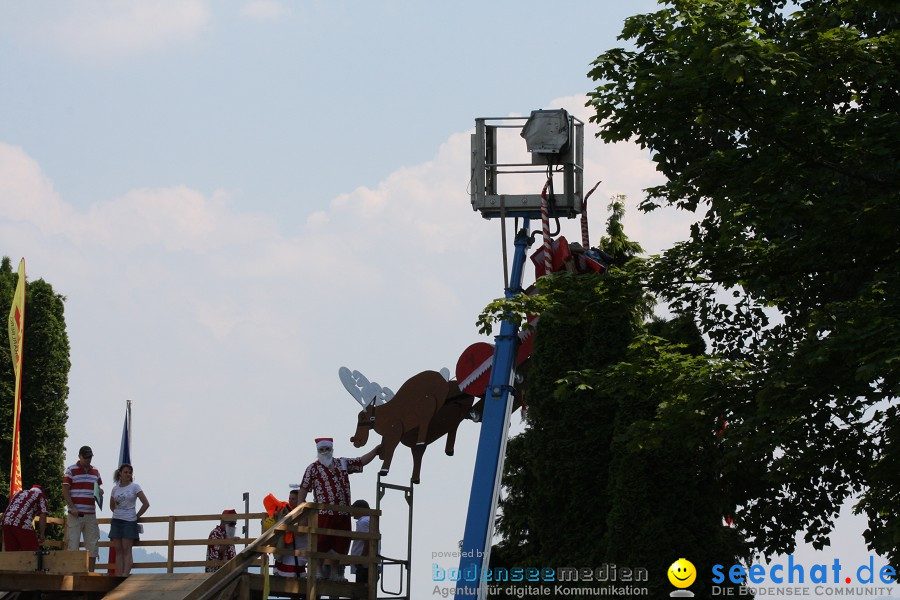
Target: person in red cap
x=328, y=478
x=18, y=530
x=225, y=530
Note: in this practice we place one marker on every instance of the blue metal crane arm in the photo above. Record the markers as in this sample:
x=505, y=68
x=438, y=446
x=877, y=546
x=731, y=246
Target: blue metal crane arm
x=485, y=492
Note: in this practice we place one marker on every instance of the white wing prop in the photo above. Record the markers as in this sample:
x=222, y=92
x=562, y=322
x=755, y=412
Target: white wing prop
x=363, y=391
x=385, y=396
x=350, y=385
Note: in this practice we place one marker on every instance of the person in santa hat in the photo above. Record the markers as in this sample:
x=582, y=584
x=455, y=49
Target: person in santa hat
x=225, y=530
x=288, y=565
x=329, y=480
x=18, y=529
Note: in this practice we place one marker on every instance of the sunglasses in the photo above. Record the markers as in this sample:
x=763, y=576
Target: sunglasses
x=325, y=449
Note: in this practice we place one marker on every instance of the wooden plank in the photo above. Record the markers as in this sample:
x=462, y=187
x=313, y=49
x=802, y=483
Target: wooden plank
x=156, y=586
x=192, y=542
x=40, y=582
x=18, y=561
x=294, y=586
x=56, y=562
x=243, y=590
x=192, y=518
x=66, y=561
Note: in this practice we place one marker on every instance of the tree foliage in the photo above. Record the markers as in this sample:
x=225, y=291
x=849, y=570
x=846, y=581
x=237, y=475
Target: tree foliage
x=44, y=389
x=780, y=127
x=583, y=485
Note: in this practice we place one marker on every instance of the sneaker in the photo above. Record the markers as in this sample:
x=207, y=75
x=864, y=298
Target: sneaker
x=338, y=578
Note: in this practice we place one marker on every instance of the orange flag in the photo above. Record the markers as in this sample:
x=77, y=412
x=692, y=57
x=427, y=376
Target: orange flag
x=16, y=344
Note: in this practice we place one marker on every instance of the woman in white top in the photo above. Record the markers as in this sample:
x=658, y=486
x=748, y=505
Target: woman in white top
x=124, y=528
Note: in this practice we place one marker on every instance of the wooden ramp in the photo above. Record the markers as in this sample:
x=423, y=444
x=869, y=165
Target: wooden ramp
x=156, y=586
x=165, y=586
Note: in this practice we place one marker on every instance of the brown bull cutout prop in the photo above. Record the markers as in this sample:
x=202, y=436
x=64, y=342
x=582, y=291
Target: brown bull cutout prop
x=425, y=408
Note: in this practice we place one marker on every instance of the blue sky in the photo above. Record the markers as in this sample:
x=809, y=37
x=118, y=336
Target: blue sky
x=237, y=198
x=252, y=97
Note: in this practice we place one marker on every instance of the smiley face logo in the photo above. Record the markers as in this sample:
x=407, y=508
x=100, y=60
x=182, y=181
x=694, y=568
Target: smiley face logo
x=682, y=573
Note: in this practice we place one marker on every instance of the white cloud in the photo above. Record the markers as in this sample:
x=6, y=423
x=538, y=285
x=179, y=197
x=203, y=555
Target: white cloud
x=408, y=252
x=317, y=219
x=113, y=29
x=265, y=10
x=26, y=193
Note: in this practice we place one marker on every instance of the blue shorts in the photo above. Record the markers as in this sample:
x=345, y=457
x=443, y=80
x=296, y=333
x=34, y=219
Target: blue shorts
x=120, y=528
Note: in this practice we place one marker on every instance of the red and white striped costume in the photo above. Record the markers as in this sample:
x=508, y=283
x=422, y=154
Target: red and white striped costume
x=23, y=508
x=81, y=487
x=286, y=565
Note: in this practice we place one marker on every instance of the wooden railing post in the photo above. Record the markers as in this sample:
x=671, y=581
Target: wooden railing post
x=374, y=526
x=312, y=568
x=170, y=567
x=66, y=532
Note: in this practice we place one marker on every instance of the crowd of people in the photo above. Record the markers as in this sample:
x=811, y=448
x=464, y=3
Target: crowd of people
x=327, y=478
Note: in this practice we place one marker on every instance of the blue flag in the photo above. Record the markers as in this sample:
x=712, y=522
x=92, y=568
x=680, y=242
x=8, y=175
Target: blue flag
x=125, y=447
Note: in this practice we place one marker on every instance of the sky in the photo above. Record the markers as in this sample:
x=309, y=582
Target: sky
x=238, y=198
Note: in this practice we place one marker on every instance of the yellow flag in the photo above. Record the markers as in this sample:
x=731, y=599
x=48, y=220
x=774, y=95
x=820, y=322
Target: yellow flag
x=16, y=344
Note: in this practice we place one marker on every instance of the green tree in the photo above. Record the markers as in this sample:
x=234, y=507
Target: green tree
x=583, y=486
x=44, y=389
x=780, y=128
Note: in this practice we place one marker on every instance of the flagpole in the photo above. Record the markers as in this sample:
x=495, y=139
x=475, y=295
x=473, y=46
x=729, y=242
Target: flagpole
x=124, y=458
x=16, y=323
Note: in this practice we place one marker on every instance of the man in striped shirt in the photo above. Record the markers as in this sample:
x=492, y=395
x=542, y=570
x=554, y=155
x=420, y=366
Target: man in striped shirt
x=79, y=482
x=18, y=529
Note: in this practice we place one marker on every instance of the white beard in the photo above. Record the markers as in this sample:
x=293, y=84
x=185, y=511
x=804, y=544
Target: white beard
x=230, y=531
x=326, y=458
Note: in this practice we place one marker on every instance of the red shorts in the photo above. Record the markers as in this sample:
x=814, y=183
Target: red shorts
x=328, y=543
x=17, y=538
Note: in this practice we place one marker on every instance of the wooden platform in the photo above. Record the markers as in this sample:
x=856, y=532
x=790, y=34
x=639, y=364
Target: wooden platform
x=92, y=583
x=56, y=562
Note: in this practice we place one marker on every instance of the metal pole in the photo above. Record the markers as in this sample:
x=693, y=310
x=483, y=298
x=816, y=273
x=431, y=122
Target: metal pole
x=409, y=540
x=246, y=519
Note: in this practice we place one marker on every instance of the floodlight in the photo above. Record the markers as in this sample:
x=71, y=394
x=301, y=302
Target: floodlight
x=547, y=131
